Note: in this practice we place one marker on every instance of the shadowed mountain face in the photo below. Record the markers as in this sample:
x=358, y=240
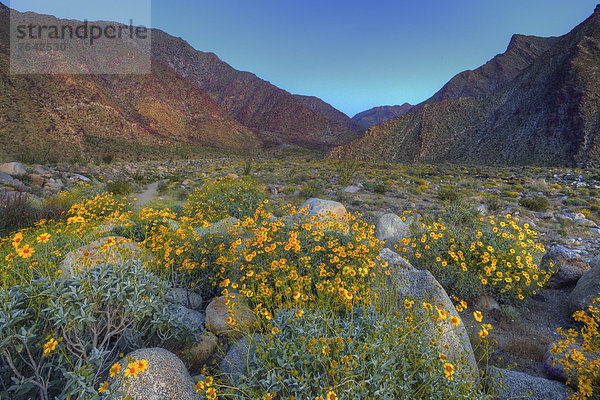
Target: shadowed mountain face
x=522, y=51
x=493, y=75
x=274, y=114
x=549, y=114
x=127, y=115
x=377, y=115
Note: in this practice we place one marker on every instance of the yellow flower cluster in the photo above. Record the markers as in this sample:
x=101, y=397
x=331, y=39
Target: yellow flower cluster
x=582, y=361
x=502, y=254
x=206, y=388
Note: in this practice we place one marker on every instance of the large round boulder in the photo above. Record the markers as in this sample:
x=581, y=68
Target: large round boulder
x=453, y=341
x=224, y=310
x=586, y=290
x=390, y=228
x=166, y=377
x=324, y=208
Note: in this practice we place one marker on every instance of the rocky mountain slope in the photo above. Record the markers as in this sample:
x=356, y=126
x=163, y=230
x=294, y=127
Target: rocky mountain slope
x=493, y=75
x=548, y=115
x=275, y=114
x=75, y=115
x=377, y=115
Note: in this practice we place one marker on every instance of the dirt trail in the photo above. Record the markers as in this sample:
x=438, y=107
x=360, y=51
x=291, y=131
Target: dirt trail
x=149, y=192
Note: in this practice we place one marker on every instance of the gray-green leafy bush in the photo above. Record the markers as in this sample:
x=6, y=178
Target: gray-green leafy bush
x=359, y=354
x=96, y=316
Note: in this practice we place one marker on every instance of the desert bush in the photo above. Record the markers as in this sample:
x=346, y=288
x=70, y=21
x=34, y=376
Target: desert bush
x=575, y=202
x=472, y=255
x=448, y=193
x=535, y=203
x=361, y=354
x=581, y=363
x=84, y=323
x=219, y=199
x=119, y=188
x=16, y=212
x=312, y=188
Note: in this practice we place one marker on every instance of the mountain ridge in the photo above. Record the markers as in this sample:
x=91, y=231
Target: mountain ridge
x=548, y=115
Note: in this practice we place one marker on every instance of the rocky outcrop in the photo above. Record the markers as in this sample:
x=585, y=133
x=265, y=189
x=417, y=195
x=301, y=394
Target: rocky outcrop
x=568, y=266
x=586, y=290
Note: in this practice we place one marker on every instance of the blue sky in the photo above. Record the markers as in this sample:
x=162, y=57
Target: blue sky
x=353, y=54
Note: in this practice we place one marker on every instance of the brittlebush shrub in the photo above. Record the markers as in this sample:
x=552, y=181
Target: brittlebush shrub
x=360, y=354
x=222, y=198
x=582, y=363
x=473, y=255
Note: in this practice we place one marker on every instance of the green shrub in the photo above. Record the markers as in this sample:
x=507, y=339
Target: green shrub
x=312, y=188
x=575, y=202
x=472, y=256
x=535, y=203
x=358, y=355
x=16, y=212
x=92, y=318
x=449, y=194
x=119, y=188
x=224, y=198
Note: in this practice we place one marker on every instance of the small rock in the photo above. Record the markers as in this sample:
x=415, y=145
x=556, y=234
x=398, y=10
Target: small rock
x=487, y=304
x=218, y=311
x=53, y=186
x=17, y=184
x=191, y=318
x=569, y=266
x=517, y=385
x=5, y=178
x=574, y=216
x=351, y=189
x=585, y=222
x=186, y=298
x=198, y=354
x=13, y=168
x=481, y=209
x=165, y=379
x=236, y=362
x=81, y=178
x=37, y=180
x=232, y=176
x=544, y=215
